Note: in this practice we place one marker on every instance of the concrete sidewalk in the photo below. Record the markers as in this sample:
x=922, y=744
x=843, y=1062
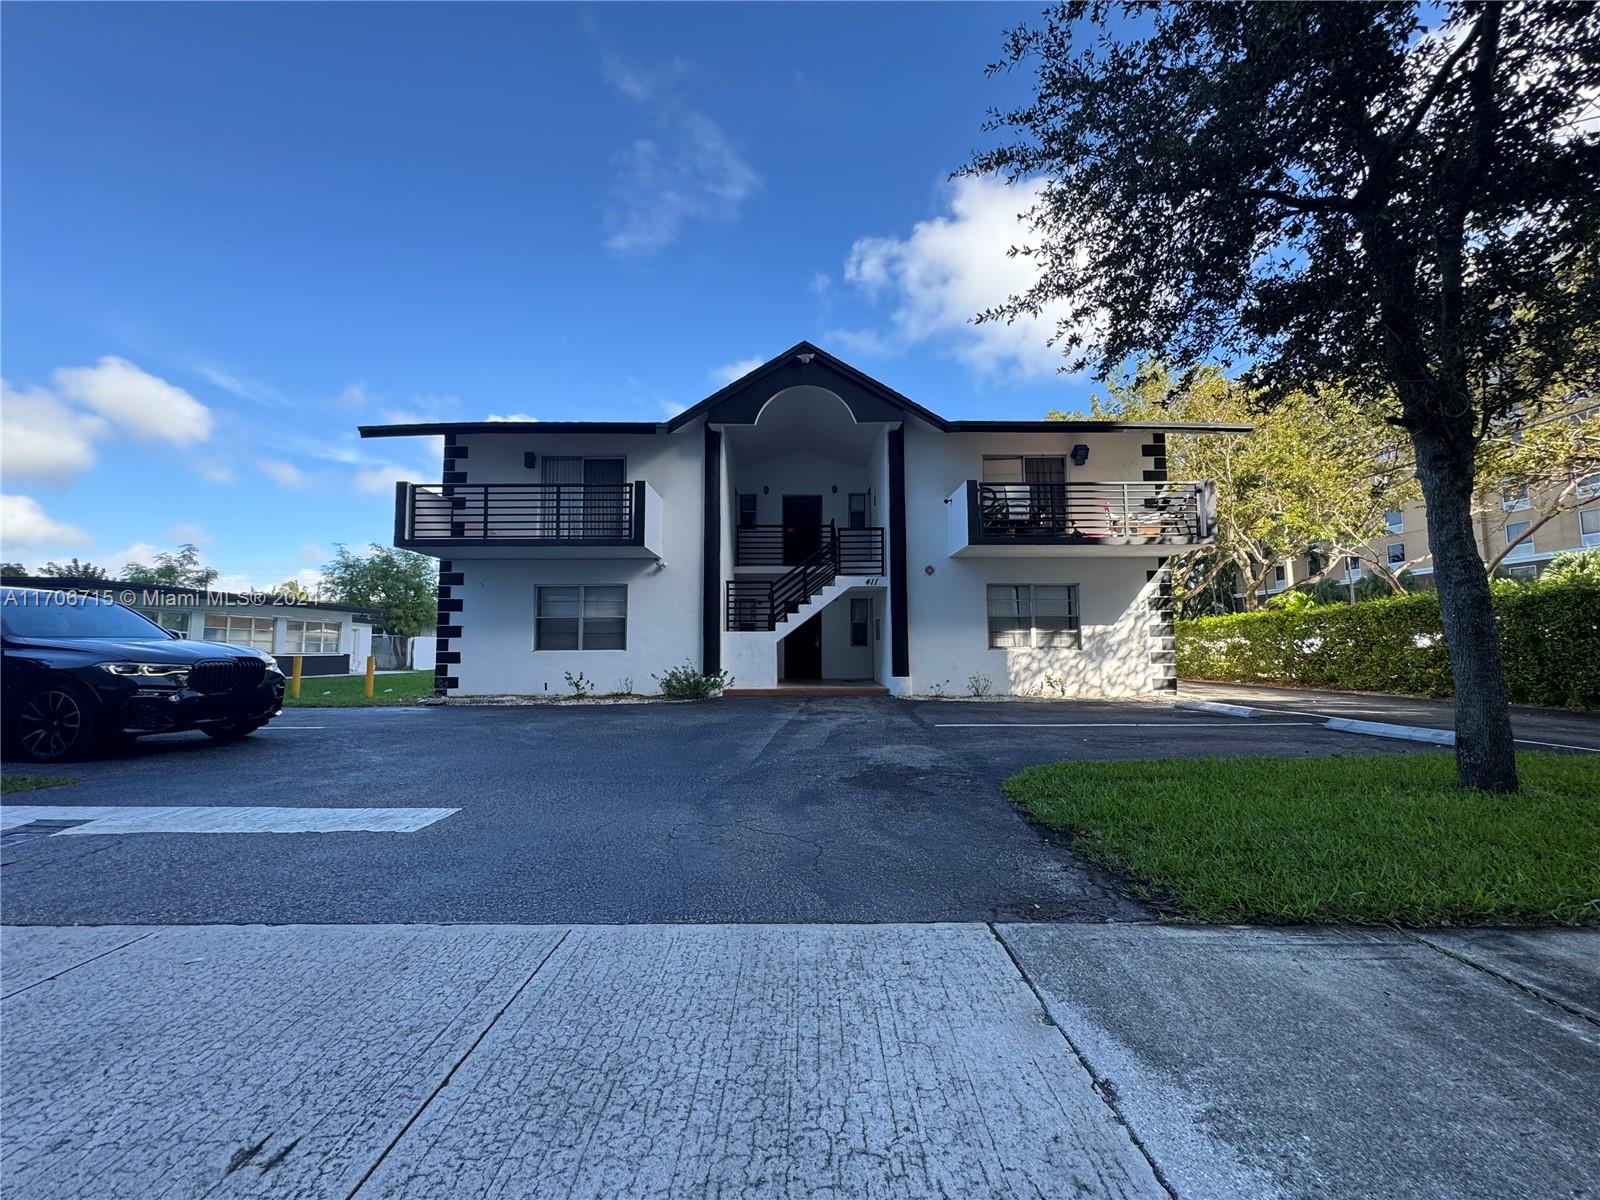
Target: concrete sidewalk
x=965, y=1060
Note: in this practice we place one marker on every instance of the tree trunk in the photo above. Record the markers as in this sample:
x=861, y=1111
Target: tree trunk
x=1485, y=753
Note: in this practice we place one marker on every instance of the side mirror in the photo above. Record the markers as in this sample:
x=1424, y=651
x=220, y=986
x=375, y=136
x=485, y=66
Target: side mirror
x=174, y=634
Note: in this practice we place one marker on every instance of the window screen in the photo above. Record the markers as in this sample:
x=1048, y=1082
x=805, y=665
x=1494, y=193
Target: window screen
x=581, y=618
x=1033, y=615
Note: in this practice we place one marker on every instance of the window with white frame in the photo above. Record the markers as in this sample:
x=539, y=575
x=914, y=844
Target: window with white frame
x=1514, y=530
x=255, y=632
x=311, y=637
x=1589, y=527
x=1395, y=553
x=858, y=510
x=1395, y=520
x=1280, y=575
x=174, y=619
x=1588, y=487
x=860, y=620
x=593, y=617
x=1514, y=499
x=1352, y=566
x=1033, y=615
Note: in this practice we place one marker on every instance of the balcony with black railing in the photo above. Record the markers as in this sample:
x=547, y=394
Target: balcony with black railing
x=860, y=550
x=529, y=519
x=1080, y=518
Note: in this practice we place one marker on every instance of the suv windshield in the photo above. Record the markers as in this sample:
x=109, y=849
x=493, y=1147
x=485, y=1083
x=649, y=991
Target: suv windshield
x=68, y=615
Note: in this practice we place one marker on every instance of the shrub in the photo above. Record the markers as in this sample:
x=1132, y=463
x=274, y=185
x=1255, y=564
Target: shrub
x=1550, y=633
x=1572, y=567
x=688, y=682
x=581, y=687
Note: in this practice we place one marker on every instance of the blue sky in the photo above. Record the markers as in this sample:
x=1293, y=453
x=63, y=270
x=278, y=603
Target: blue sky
x=234, y=232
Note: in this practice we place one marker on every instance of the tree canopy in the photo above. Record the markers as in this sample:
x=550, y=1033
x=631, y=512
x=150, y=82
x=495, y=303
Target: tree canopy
x=1330, y=195
x=401, y=585
x=182, y=569
x=73, y=570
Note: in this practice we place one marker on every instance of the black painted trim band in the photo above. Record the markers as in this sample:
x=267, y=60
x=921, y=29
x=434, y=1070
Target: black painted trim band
x=711, y=578
x=899, y=606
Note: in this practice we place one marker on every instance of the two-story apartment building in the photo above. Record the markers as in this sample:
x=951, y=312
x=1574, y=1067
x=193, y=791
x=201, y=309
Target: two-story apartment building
x=804, y=525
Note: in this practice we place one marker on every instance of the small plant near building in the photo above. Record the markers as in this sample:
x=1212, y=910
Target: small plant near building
x=979, y=685
x=627, y=686
x=688, y=682
x=582, y=689
x=940, y=690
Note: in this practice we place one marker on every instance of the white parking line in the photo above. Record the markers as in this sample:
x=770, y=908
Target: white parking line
x=279, y=728
x=1109, y=724
x=127, y=818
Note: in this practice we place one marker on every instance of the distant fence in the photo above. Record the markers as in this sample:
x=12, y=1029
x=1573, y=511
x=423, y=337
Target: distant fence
x=396, y=652
x=1549, y=633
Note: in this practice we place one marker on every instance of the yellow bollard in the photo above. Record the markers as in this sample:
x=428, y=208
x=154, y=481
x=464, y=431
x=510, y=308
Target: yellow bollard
x=372, y=664
x=294, y=680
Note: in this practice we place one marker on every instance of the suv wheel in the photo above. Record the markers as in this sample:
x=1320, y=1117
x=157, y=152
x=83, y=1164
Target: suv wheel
x=54, y=724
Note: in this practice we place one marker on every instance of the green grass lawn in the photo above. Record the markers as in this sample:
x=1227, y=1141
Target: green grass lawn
x=349, y=691
x=31, y=783
x=1372, y=840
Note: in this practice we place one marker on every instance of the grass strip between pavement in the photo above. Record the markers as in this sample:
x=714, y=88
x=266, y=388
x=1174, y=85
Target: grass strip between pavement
x=349, y=691
x=1371, y=840
x=10, y=784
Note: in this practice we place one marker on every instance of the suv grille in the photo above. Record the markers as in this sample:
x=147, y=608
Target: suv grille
x=227, y=674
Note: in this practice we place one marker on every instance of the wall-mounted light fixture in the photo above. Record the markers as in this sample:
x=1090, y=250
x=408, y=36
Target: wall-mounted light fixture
x=765, y=490
x=836, y=489
x=530, y=459
x=1080, y=454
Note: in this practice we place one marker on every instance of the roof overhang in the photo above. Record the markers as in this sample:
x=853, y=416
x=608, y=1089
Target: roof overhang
x=802, y=365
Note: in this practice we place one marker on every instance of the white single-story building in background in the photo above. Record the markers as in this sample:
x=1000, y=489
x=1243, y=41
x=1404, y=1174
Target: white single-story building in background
x=806, y=525
x=331, y=639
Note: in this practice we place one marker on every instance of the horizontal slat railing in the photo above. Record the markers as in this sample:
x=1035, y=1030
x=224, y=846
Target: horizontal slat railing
x=557, y=513
x=860, y=550
x=1090, y=512
x=756, y=604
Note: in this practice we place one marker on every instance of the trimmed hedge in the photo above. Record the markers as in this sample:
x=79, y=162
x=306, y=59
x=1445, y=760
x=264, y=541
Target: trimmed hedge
x=1550, y=632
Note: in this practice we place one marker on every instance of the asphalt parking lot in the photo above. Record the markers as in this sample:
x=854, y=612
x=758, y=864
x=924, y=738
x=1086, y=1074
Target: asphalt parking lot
x=749, y=810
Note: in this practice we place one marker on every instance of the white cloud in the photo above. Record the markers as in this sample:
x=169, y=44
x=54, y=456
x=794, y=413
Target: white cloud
x=516, y=416
x=214, y=470
x=728, y=372
x=135, y=401
x=139, y=552
x=688, y=171
x=287, y=474
x=821, y=282
x=381, y=478
x=950, y=268
x=43, y=439
x=242, y=386
x=24, y=523
x=313, y=553
x=188, y=531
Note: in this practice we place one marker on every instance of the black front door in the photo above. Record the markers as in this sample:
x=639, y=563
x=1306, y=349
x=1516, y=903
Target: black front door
x=802, y=528
x=802, y=651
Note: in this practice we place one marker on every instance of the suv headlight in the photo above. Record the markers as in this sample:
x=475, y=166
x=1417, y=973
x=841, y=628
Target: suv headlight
x=172, y=673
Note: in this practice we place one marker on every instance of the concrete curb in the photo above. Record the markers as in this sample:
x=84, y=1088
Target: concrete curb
x=1408, y=733
x=1221, y=710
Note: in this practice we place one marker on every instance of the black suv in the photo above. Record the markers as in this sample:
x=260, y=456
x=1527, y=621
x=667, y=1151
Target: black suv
x=82, y=673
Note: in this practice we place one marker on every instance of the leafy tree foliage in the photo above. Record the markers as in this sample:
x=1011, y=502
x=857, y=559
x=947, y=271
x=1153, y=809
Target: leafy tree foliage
x=182, y=569
x=292, y=589
x=1332, y=193
x=1319, y=471
x=10, y=569
x=73, y=570
x=400, y=584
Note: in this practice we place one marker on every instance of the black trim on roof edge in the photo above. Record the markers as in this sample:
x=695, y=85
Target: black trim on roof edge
x=810, y=353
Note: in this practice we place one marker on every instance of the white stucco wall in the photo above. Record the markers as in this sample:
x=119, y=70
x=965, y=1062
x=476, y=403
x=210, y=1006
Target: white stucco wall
x=948, y=609
x=498, y=594
x=802, y=475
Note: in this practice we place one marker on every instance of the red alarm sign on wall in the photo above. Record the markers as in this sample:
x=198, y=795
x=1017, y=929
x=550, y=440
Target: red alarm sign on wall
x=928, y=570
